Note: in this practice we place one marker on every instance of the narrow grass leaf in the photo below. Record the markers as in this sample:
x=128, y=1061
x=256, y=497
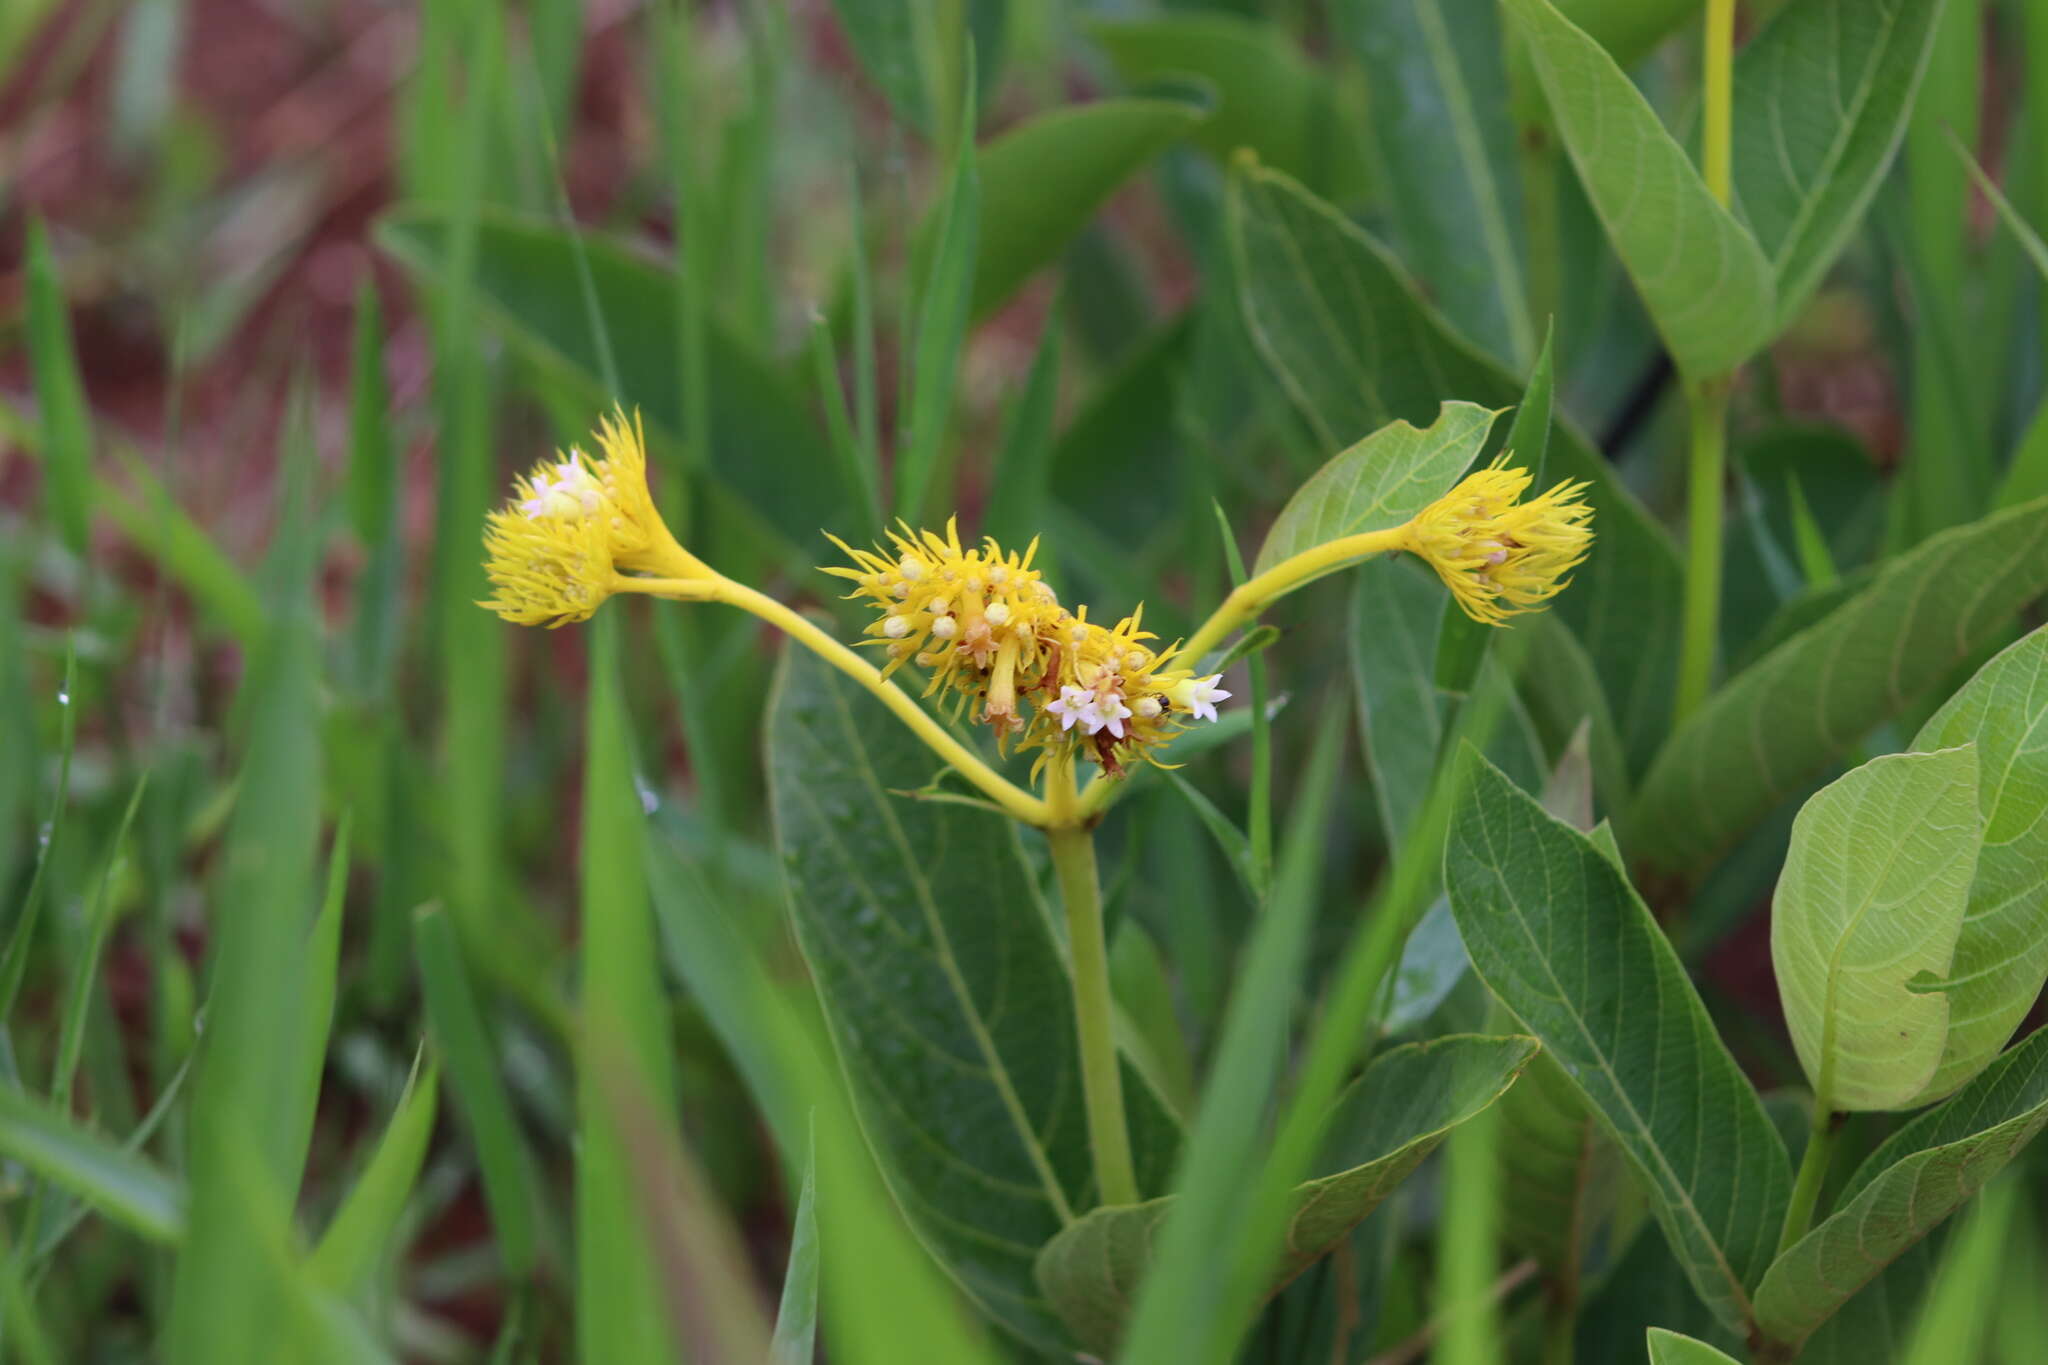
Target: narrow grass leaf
x=619, y=1297
x=21, y=938
x=182, y=550
x=943, y=309
x=78, y=995
x=361, y=1234
x=1778, y=723
x=295, y=1111
x=60, y=396
x=121, y=1184
x=1570, y=949
x=796, y=1319
x=509, y=1179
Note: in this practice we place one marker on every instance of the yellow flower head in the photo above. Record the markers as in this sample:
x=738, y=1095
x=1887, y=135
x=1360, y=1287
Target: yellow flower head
x=1115, y=695
x=1498, y=555
x=975, y=618
x=554, y=552
x=987, y=627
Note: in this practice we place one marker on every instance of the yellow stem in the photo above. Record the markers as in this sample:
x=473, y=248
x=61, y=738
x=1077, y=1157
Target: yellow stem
x=1254, y=595
x=1716, y=153
x=718, y=588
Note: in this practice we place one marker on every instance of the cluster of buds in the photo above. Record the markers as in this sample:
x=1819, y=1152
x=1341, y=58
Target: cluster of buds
x=991, y=634
x=1497, y=554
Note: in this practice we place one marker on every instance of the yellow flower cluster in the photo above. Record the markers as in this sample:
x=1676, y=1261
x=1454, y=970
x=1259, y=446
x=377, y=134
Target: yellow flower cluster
x=1500, y=556
x=988, y=628
x=556, y=551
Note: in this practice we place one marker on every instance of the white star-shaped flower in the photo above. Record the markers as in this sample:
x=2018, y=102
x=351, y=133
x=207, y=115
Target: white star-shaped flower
x=1198, y=696
x=1106, y=712
x=1075, y=703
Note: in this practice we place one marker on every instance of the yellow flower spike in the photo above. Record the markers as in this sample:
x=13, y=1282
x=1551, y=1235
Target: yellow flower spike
x=1498, y=555
x=547, y=570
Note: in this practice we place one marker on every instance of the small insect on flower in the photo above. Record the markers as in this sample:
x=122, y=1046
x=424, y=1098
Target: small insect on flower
x=1500, y=556
x=574, y=524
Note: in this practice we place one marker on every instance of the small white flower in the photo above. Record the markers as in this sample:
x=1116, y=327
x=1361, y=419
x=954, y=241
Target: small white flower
x=998, y=613
x=1106, y=712
x=1198, y=696
x=945, y=628
x=910, y=567
x=896, y=627
x=1148, y=707
x=1075, y=703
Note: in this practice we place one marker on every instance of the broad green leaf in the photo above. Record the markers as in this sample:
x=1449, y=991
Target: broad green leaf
x=2002, y=953
x=945, y=994
x=763, y=445
x=1440, y=124
x=1669, y=1348
x=1867, y=908
x=1778, y=723
x=1571, y=950
x=1355, y=347
x=1391, y=1118
x=1703, y=278
x=1043, y=180
x=362, y=1230
x=1820, y=104
x=1920, y=1175
x=1269, y=97
x=1378, y=483
x=1628, y=29
x=123, y=1185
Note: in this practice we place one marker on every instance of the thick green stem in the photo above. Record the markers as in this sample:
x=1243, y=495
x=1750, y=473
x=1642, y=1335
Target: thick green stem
x=1813, y=1170
x=1709, y=403
x=1560, y=1330
x=1073, y=858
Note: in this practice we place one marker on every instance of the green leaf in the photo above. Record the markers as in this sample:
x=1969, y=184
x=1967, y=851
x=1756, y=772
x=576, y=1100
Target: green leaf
x=1355, y=347
x=1782, y=720
x=908, y=50
x=363, y=1228
x=1820, y=103
x=1440, y=124
x=1702, y=277
x=1872, y=895
x=944, y=991
x=1044, y=179
x=796, y=1319
x=1920, y=1175
x=509, y=1179
x=1269, y=97
x=528, y=281
x=1669, y=1348
x=1381, y=1128
x=2002, y=953
x=1569, y=947
x=945, y=286
x=60, y=397
x=1379, y=483
x=123, y=1185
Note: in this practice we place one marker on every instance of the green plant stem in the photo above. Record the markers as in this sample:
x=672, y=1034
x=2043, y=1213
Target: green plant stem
x=1560, y=1330
x=1717, y=148
x=1709, y=403
x=1073, y=859
x=1813, y=1170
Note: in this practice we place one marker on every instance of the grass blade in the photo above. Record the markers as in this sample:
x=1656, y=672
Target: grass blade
x=125, y=1186
x=67, y=424
x=360, y=1235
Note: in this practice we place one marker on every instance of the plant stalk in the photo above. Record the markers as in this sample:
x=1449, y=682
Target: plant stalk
x=1109, y=1140
x=1717, y=160
x=1709, y=403
x=1813, y=1170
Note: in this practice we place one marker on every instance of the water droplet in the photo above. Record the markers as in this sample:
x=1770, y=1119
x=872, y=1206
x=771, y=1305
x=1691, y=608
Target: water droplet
x=650, y=800
x=63, y=699
x=43, y=835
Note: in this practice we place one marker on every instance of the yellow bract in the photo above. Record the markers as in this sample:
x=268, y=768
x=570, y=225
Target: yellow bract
x=555, y=551
x=1498, y=555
